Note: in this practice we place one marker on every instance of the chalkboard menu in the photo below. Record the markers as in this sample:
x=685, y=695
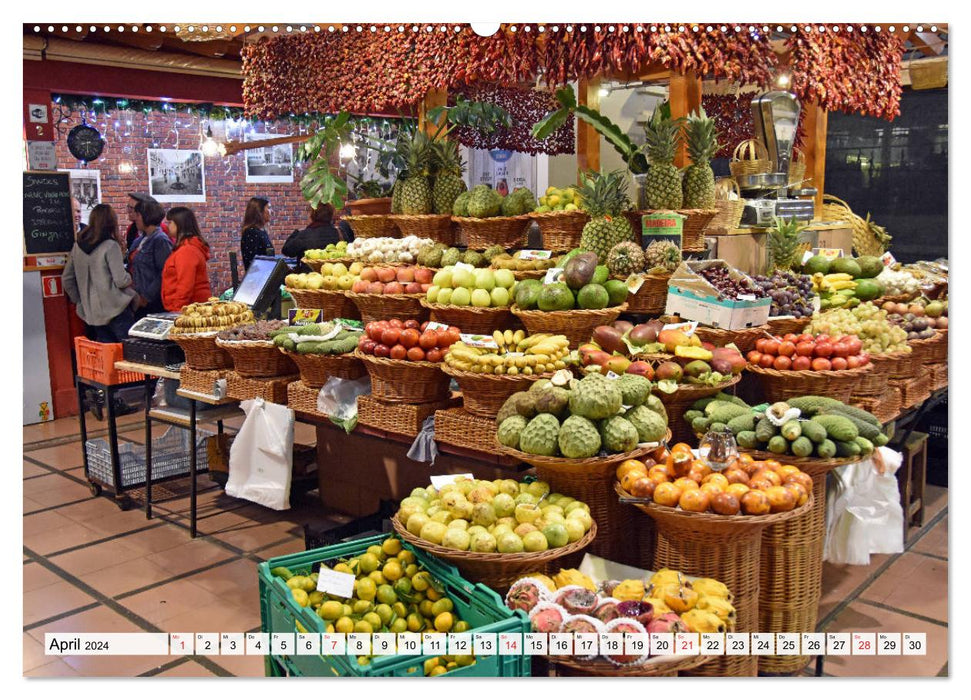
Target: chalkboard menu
x=48, y=219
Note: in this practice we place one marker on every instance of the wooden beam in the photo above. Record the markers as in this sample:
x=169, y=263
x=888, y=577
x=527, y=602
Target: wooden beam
x=147, y=42
x=814, y=149
x=588, y=140
x=434, y=98
x=678, y=99
x=234, y=147
x=929, y=43
x=215, y=48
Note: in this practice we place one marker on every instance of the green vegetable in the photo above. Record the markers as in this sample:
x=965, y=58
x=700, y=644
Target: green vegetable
x=746, y=439
x=764, y=429
x=281, y=571
x=866, y=447
x=691, y=414
x=854, y=412
x=778, y=444
x=865, y=428
x=724, y=411
x=826, y=449
x=700, y=424
x=838, y=427
x=742, y=423
x=702, y=404
x=722, y=396
x=811, y=405
x=717, y=427
x=791, y=430
x=881, y=440
x=848, y=449
x=289, y=344
x=802, y=446
x=813, y=430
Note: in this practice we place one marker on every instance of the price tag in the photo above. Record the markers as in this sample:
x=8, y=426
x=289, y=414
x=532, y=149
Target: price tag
x=763, y=643
x=830, y=253
x=409, y=644
x=257, y=643
x=433, y=644
x=553, y=275
x=787, y=643
x=358, y=644
x=464, y=266
x=805, y=256
x=662, y=644
x=445, y=479
x=914, y=643
x=302, y=317
x=308, y=644
x=383, y=643
x=688, y=328
x=813, y=643
x=864, y=644
x=510, y=644
x=207, y=644
x=712, y=644
x=888, y=259
x=561, y=644
x=535, y=254
x=436, y=326
x=837, y=644
x=282, y=643
x=817, y=303
x=535, y=643
x=335, y=583
x=484, y=643
x=612, y=375
x=686, y=644
x=486, y=342
x=736, y=643
x=459, y=643
x=349, y=324
x=635, y=281
x=232, y=643
x=746, y=297
x=181, y=643
x=333, y=644
x=888, y=643
x=637, y=644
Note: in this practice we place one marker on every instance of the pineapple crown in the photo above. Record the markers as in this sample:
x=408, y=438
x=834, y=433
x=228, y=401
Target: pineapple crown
x=663, y=138
x=701, y=137
x=604, y=195
x=416, y=151
x=783, y=243
x=445, y=157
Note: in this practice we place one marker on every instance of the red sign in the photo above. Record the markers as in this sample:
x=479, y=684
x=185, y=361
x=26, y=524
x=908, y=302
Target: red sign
x=38, y=121
x=52, y=286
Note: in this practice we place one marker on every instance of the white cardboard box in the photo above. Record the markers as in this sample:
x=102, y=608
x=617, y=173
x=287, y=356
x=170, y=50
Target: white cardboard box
x=710, y=311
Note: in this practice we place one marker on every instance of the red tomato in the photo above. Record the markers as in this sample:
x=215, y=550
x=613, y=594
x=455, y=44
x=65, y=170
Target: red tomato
x=398, y=352
x=423, y=326
x=821, y=363
x=855, y=345
x=374, y=330
x=805, y=347
x=416, y=354
x=787, y=348
x=754, y=356
x=839, y=363
x=391, y=336
x=428, y=340
x=434, y=355
x=396, y=323
x=823, y=338
x=411, y=323
x=456, y=331
x=452, y=336
x=805, y=338
x=824, y=349
x=367, y=346
x=409, y=337
x=760, y=344
x=766, y=360
x=782, y=362
x=790, y=338
x=771, y=346
x=801, y=362
x=382, y=350
x=841, y=349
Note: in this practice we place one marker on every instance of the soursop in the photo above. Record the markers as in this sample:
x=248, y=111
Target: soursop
x=510, y=430
x=451, y=256
x=595, y=397
x=650, y=426
x=634, y=389
x=484, y=202
x=540, y=435
x=578, y=438
x=618, y=434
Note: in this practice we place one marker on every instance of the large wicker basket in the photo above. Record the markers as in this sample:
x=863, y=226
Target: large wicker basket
x=651, y=297
x=257, y=358
x=471, y=319
x=561, y=230
x=779, y=385
x=885, y=407
x=201, y=351
x=496, y=570
x=749, y=158
x=398, y=418
x=459, y=428
x=373, y=226
x=577, y=324
x=885, y=367
x=372, y=205
x=743, y=338
x=404, y=381
x=654, y=667
x=730, y=211
x=507, y=231
x=273, y=390
x=315, y=368
x=333, y=302
x=483, y=394
x=377, y=307
x=781, y=325
x=437, y=227
x=677, y=402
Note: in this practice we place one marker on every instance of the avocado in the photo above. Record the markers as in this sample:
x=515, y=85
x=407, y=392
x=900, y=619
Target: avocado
x=616, y=291
x=579, y=270
x=847, y=265
x=555, y=297
x=816, y=263
x=868, y=289
x=592, y=296
x=870, y=266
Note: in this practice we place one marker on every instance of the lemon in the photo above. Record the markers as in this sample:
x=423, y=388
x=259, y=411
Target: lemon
x=464, y=659
x=451, y=665
x=386, y=594
x=317, y=597
x=378, y=578
x=295, y=582
x=373, y=619
x=363, y=627
x=403, y=587
x=330, y=629
x=430, y=664
x=432, y=594
x=425, y=608
x=346, y=610
x=438, y=671
x=391, y=547
x=300, y=595
x=414, y=623
x=376, y=550
x=343, y=568
x=354, y=564
x=384, y=612
x=444, y=622
x=366, y=589
x=443, y=605
x=345, y=625
x=392, y=570
x=421, y=581
x=362, y=606
x=398, y=626
x=411, y=570
x=369, y=563
x=331, y=610
x=461, y=626
x=400, y=609
x=406, y=556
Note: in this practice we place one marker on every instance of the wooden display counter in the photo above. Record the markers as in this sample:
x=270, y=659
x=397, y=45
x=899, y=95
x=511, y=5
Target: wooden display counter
x=746, y=249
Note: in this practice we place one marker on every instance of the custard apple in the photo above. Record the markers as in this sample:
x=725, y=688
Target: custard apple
x=595, y=397
x=650, y=426
x=519, y=404
x=579, y=438
x=634, y=389
x=539, y=437
x=552, y=399
x=510, y=430
x=655, y=404
x=618, y=434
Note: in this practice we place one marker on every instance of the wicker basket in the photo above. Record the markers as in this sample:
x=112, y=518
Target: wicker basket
x=797, y=168
x=458, y=427
x=781, y=325
x=938, y=374
x=244, y=388
x=937, y=350
x=201, y=351
x=373, y=226
x=377, y=307
x=895, y=298
x=885, y=367
x=676, y=403
x=651, y=297
x=743, y=338
x=398, y=418
x=483, y=394
x=914, y=391
x=371, y=205
x=200, y=381
x=257, y=358
x=315, y=369
x=499, y=571
x=404, y=381
x=885, y=407
x=437, y=227
x=749, y=158
x=313, y=264
x=303, y=399
x=507, y=231
x=730, y=211
x=333, y=302
x=561, y=230
x=577, y=324
x=654, y=667
x=471, y=319
x=779, y=385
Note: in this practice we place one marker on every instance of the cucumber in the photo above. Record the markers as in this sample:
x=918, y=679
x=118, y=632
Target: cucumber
x=866, y=447
x=848, y=449
x=746, y=439
x=855, y=412
x=864, y=428
x=743, y=423
x=814, y=431
x=765, y=430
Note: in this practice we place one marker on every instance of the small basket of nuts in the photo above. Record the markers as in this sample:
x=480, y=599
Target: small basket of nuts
x=196, y=328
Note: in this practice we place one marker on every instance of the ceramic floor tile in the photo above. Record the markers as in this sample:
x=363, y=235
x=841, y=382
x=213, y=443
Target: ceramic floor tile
x=37, y=576
x=860, y=617
x=292, y=547
x=34, y=655
x=935, y=541
x=192, y=554
x=913, y=583
x=156, y=539
x=56, y=540
x=840, y=580
x=95, y=557
x=31, y=469
x=51, y=429
x=57, y=598
x=45, y=522
x=60, y=456
x=31, y=506
x=115, y=666
x=243, y=666
x=120, y=522
x=254, y=537
x=55, y=490
x=165, y=602
x=94, y=509
x=236, y=583
x=101, y=619
x=189, y=669
x=125, y=577
x=53, y=669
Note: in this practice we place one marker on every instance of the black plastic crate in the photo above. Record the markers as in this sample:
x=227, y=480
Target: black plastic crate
x=316, y=536
x=158, y=353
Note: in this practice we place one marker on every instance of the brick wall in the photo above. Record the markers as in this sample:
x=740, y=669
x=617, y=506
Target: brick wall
x=124, y=168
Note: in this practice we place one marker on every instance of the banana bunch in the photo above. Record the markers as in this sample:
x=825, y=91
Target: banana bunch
x=516, y=354
x=833, y=282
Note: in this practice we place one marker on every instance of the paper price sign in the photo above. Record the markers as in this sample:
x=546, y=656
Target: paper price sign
x=830, y=253
x=301, y=317
x=349, y=324
x=335, y=583
x=436, y=326
x=464, y=266
x=445, y=479
x=535, y=254
x=888, y=259
x=486, y=342
x=688, y=328
x=635, y=281
x=552, y=275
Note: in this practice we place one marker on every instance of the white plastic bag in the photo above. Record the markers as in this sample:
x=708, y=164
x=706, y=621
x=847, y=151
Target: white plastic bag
x=260, y=460
x=338, y=399
x=866, y=517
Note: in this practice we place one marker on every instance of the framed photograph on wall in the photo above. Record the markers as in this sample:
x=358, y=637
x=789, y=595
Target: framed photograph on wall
x=270, y=163
x=86, y=188
x=176, y=176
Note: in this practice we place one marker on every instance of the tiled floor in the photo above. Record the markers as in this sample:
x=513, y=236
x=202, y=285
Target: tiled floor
x=90, y=567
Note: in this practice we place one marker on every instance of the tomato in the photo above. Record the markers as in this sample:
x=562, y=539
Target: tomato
x=841, y=349
x=824, y=349
x=434, y=355
x=823, y=338
x=787, y=348
x=839, y=363
x=396, y=323
x=782, y=362
x=821, y=364
x=398, y=352
x=754, y=356
x=446, y=338
x=409, y=337
x=411, y=323
x=854, y=344
x=801, y=362
x=771, y=346
x=760, y=345
x=382, y=350
x=416, y=354
x=374, y=330
x=766, y=360
x=456, y=331
x=790, y=338
x=390, y=336
x=423, y=326
x=805, y=347
x=805, y=338
x=853, y=361
x=366, y=345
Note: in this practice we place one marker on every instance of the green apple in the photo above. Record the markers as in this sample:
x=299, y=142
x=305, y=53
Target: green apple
x=327, y=269
x=556, y=534
x=483, y=542
x=500, y=295
x=340, y=269
x=345, y=281
x=504, y=505
x=460, y=523
x=507, y=520
x=432, y=294
x=433, y=532
x=443, y=516
x=505, y=278
x=538, y=488
x=481, y=298
x=485, y=279
x=500, y=530
x=574, y=530
x=461, y=278
x=444, y=295
x=443, y=278
x=583, y=517
x=474, y=530
x=460, y=296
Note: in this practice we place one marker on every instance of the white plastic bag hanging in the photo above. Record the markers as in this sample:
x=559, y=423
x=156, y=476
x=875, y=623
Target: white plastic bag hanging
x=260, y=460
x=866, y=518
x=338, y=399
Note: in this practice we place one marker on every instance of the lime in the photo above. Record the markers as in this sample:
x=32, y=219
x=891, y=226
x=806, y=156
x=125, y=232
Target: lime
x=399, y=625
x=346, y=610
x=369, y=563
x=426, y=607
x=331, y=610
x=432, y=594
x=300, y=595
x=399, y=609
x=366, y=589
x=376, y=550
x=317, y=597
x=393, y=570
x=384, y=613
x=295, y=582
x=403, y=587
x=444, y=622
x=406, y=556
x=363, y=627
x=411, y=570
x=443, y=605
x=343, y=568
x=415, y=623
x=373, y=619
x=421, y=581
x=361, y=606
x=377, y=577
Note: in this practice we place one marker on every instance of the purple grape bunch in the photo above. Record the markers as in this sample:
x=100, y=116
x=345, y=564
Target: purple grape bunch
x=791, y=293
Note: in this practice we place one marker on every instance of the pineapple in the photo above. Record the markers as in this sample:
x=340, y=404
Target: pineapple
x=699, y=180
x=604, y=198
x=662, y=257
x=396, y=197
x=415, y=194
x=663, y=182
x=783, y=243
x=625, y=258
x=448, y=167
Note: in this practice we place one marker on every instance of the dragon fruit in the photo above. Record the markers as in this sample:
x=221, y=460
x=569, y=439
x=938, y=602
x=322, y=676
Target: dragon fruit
x=607, y=587
x=525, y=594
x=581, y=624
x=625, y=625
x=636, y=609
x=668, y=622
x=547, y=617
x=576, y=600
x=607, y=610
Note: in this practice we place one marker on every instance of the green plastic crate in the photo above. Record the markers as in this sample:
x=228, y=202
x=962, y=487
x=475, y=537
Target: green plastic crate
x=479, y=605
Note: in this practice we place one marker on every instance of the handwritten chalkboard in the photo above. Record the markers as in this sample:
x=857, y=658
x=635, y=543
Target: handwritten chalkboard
x=48, y=219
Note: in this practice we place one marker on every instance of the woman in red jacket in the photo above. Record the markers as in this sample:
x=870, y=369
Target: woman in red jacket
x=185, y=279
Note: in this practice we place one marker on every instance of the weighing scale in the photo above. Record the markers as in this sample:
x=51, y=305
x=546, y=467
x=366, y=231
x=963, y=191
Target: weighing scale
x=148, y=343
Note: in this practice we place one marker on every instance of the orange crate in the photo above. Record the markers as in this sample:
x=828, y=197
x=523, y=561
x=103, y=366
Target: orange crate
x=96, y=361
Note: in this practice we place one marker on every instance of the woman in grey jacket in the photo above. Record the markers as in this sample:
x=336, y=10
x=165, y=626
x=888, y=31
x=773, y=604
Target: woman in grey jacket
x=96, y=281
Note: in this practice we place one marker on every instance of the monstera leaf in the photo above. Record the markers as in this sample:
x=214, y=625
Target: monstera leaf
x=320, y=183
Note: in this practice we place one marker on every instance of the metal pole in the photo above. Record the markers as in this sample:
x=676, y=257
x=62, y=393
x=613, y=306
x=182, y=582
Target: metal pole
x=192, y=467
x=148, y=447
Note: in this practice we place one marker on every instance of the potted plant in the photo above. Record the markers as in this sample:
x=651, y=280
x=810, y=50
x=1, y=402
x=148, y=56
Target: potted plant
x=370, y=197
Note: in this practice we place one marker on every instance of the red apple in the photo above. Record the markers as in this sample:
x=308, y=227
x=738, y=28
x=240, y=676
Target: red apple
x=394, y=288
x=414, y=288
x=369, y=274
x=425, y=287
x=382, y=350
x=398, y=352
x=434, y=355
x=428, y=340
x=766, y=360
x=423, y=276
x=416, y=354
x=375, y=288
x=787, y=348
x=801, y=362
x=823, y=349
x=782, y=362
x=396, y=323
x=790, y=338
x=385, y=274
x=839, y=363
x=754, y=356
x=805, y=348
x=841, y=349
x=411, y=323
x=406, y=274
x=821, y=364
x=855, y=345
x=772, y=346
x=360, y=286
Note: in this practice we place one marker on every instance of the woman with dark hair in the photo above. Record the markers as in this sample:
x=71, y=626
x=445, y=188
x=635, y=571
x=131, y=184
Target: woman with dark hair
x=255, y=240
x=96, y=281
x=147, y=256
x=185, y=278
x=320, y=232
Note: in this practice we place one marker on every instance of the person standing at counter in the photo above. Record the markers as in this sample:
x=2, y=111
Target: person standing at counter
x=320, y=232
x=147, y=257
x=185, y=278
x=255, y=240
